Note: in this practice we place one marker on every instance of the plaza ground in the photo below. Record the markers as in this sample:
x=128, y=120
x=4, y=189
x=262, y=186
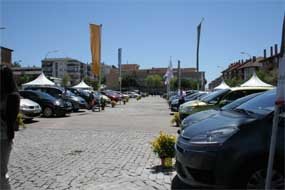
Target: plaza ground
x=94, y=150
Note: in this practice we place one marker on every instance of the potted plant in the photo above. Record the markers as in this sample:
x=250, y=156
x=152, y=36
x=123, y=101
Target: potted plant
x=176, y=119
x=163, y=146
x=20, y=122
x=113, y=103
x=103, y=104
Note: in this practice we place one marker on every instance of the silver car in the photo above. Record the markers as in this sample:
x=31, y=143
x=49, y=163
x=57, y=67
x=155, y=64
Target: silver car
x=29, y=109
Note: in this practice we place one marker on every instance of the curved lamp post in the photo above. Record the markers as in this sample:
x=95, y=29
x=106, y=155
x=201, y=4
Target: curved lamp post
x=49, y=52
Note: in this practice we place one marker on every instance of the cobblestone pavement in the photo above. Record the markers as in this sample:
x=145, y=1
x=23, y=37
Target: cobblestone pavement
x=93, y=150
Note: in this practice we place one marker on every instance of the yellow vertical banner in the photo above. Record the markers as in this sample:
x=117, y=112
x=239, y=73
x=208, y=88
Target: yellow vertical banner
x=95, y=45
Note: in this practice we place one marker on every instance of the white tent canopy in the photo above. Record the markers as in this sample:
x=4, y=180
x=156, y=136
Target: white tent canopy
x=41, y=80
x=255, y=81
x=223, y=85
x=82, y=85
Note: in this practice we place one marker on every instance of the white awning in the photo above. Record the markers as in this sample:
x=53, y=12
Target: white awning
x=82, y=85
x=41, y=80
x=223, y=85
x=254, y=81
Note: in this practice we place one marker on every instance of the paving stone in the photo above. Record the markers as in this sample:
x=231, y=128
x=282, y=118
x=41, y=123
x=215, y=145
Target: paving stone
x=91, y=150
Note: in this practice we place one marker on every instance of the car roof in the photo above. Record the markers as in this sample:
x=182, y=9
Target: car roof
x=251, y=88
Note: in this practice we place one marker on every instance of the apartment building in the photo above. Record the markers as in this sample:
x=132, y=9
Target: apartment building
x=58, y=67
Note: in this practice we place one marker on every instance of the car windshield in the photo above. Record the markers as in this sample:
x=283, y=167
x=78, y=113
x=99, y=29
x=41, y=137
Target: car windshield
x=262, y=104
x=239, y=101
x=69, y=93
x=44, y=95
x=214, y=95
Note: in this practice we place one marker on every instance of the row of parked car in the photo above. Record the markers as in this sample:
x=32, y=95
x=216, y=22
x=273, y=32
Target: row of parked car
x=224, y=139
x=50, y=101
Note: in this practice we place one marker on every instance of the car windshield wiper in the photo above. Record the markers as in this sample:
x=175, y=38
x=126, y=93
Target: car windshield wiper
x=247, y=112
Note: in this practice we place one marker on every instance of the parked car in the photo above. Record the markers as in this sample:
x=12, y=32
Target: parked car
x=49, y=104
x=76, y=101
x=174, y=106
x=112, y=95
x=230, y=150
x=199, y=116
x=29, y=109
x=80, y=92
x=217, y=99
x=132, y=94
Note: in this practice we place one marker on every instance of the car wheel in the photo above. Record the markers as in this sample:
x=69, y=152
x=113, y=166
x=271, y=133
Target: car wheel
x=47, y=112
x=257, y=180
x=75, y=110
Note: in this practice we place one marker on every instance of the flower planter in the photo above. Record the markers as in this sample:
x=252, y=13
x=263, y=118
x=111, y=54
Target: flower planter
x=166, y=162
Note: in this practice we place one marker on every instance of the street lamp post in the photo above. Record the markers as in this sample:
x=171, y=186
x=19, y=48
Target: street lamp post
x=245, y=53
x=49, y=52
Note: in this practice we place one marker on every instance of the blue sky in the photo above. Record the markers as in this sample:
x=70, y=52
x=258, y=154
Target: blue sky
x=149, y=31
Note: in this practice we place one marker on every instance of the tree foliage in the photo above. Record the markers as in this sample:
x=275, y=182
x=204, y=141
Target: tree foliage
x=129, y=81
x=24, y=79
x=65, y=80
x=269, y=77
x=233, y=82
x=185, y=84
x=92, y=82
x=154, y=81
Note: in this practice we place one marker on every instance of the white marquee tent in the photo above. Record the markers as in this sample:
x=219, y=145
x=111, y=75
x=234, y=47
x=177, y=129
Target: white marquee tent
x=82, y=85
x=41, y=80
x=255, y=81
x=223, y=85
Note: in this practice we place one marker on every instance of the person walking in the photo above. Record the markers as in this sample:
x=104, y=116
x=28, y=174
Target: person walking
x=9, y=109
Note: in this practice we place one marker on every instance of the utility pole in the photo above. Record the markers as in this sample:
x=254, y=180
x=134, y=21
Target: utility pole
x=120, y=67
x=179, y=78
x=197, y=53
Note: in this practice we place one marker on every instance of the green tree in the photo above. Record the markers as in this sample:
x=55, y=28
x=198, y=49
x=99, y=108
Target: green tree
x=185, y=83
x=23, y=79
x=65, y=80
x=154, y=81
x=269, y=77
x=16, y=64
x=92, y=82
x=233, y=82
x=129, y=81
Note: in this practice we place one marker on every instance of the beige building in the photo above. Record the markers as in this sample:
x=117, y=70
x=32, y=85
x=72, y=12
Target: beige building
x=140, y=75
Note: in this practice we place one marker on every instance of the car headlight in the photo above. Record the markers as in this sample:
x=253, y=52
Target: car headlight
x=57, y=102
x=214, y=137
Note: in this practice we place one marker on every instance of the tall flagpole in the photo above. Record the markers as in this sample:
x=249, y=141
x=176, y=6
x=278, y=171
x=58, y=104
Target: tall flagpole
x=100, y=73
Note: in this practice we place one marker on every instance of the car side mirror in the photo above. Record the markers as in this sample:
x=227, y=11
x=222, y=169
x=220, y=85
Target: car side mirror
x=178, y=131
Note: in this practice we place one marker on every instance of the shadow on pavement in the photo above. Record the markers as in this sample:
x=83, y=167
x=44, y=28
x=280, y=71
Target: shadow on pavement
x=177, y=184
x=161, y=169
x=30, y=121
